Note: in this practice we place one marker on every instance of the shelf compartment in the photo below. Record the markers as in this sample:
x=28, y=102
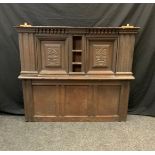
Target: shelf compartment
x=76, y=57
x=77, y=42
x=76, y=67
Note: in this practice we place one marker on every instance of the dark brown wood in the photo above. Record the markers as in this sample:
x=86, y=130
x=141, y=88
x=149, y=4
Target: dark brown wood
x=76, y=73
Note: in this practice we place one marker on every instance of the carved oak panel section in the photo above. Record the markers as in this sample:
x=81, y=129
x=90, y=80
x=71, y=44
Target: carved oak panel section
x=76, y=105
x=54, y=57
x=125, y=53
x=77, y=101
x=27, y=53
x=106, y=105
x=101, y=56
x=45, y=100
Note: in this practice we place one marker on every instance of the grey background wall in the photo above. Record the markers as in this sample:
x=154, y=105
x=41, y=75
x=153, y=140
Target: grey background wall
x=142, y=94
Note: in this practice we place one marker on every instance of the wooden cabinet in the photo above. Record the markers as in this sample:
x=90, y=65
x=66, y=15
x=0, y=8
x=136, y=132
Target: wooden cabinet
x=76, y=73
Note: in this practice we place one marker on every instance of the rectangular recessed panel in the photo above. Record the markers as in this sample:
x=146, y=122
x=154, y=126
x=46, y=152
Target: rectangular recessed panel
x=107, y=99
x=101, y=56
x=76, y=100
x=54, y=57
x=45, y=100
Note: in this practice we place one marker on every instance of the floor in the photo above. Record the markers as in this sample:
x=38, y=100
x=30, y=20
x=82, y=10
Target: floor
x=138, y=133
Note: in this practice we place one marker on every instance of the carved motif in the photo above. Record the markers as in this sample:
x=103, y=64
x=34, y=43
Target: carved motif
x=53, y=55
x=101, y=55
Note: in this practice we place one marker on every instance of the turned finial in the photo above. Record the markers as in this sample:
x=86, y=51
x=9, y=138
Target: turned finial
x=127, y=26
x=25, y=25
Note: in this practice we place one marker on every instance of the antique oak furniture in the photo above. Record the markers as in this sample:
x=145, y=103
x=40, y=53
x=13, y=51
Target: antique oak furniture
x=76, y=73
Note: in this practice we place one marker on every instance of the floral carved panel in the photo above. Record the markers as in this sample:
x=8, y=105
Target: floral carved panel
x=53, y=57
x=101, y=55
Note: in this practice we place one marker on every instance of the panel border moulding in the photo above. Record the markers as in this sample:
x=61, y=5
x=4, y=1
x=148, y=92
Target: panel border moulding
x=107, y=70
x=42, y=67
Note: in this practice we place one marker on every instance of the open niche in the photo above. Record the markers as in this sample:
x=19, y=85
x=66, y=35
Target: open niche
x=77, y=54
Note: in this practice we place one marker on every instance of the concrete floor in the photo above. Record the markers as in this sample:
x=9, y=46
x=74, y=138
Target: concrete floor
x=138, y=133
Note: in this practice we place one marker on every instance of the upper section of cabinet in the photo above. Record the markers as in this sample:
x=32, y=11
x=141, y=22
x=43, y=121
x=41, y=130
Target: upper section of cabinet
x=49, y=51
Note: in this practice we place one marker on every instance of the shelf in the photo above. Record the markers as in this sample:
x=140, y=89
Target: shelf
x=76, y=63
x=76, y=73
x=77, y=51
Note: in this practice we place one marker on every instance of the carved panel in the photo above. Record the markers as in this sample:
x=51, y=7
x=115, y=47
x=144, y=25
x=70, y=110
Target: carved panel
x=101, y=55
x=53, y=55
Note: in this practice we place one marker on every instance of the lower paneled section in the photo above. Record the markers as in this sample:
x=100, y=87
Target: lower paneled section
x=76, y=101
